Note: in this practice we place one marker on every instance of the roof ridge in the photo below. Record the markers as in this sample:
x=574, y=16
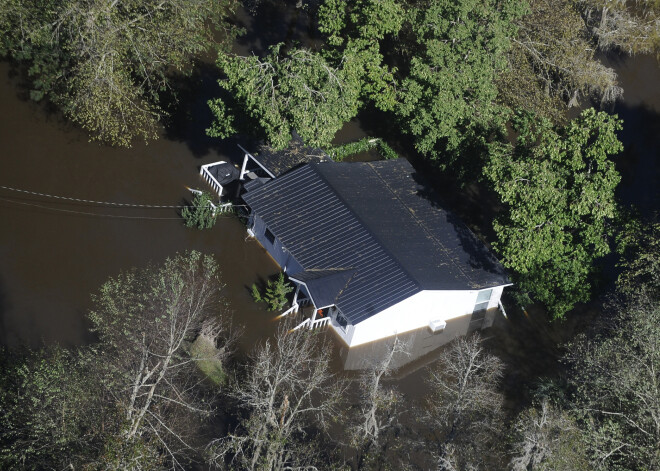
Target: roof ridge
x=420, y=223
x=314, y=166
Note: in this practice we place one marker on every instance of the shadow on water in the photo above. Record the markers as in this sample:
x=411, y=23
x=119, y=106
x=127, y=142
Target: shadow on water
x=269, y=22
x=4, y=308
x=273, y=22
x=191, y=115
x=639, y=164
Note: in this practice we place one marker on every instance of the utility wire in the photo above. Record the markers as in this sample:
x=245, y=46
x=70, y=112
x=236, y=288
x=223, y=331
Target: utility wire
x=49, y=208
x=104, y=203
x=80, y=212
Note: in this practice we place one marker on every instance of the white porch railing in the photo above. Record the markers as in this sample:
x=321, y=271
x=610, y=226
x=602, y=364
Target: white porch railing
x=289, y=311
x=313, y=324
x=221, y=208
x=217, y=208
x=210, y=179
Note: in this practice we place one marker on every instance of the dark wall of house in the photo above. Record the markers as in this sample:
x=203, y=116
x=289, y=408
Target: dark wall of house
x=283, y=258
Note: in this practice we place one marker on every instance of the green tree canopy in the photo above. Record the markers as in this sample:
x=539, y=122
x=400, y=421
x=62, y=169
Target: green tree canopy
x=285, y=92
x=49, y=410
x=639, y=244
x=106, y=63
x=357, y=29
x=558, y=186
x=447, y=100
x=443, y=91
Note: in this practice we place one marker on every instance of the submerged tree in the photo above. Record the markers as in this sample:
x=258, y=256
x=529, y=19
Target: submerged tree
x=201, y=214
x=558, y=186
x=146, y=321
x=464, y=409
x=548, y=438
x=51, y=414
x=616, y=377
x=297, y=90
x=552, y=63
x=136, y=398
x=632, y=26
x=375, y=429
x=105, y=64
x=287, y=396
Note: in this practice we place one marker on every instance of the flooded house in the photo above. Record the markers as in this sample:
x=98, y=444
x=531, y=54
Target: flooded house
x=366, y=244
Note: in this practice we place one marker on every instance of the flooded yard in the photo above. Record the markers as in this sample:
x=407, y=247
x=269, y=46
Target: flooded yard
x=54, y=253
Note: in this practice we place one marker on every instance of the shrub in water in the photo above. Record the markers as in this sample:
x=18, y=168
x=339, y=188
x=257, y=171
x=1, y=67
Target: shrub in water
x=201, y=214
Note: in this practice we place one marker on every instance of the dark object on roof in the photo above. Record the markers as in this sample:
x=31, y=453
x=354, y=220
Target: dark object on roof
x=297, y=153
x=224, y=173
x=380, y=219
x=257, y=182
x=325, y=286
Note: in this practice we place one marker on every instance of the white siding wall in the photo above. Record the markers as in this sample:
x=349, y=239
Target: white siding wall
x=415, y=312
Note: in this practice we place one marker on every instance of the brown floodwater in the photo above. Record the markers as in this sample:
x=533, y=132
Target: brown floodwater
x=640, y=110
x=54, y=254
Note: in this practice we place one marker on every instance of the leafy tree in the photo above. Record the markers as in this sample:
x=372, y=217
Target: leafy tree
x=287, y=393
x=558, y=186
x=284, y=92
x=447, y=99
x=552, y=63
x=50, y=413
x=357, y=30
x=615, y=377
x=639, y=244
x=106, y=63
x=274, y=294
x=201, y=214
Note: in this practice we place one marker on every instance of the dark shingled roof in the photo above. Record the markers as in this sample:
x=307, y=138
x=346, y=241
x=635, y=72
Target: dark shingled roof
x=279, y=162
x=325, y=286
x=381, y=221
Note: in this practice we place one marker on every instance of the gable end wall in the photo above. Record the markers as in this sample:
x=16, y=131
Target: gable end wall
x=415, y=312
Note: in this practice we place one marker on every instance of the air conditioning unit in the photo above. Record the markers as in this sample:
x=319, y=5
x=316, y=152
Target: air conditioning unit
x=437, y=326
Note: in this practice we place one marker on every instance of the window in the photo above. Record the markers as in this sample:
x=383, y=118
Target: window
x=270, y=236
x=483, y=298
x=341, y=320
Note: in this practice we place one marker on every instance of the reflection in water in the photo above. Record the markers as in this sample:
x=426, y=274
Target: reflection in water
x=420, y=344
